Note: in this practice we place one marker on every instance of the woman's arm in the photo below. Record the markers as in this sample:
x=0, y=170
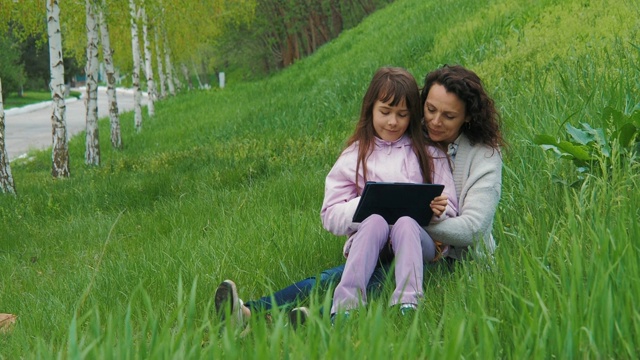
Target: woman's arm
x=480, y=194
x=441, y=174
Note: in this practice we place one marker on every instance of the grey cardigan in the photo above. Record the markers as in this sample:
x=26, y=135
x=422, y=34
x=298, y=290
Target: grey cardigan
x=477, y=174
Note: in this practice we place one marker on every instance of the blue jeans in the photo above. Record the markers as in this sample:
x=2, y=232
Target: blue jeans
x=295, y=293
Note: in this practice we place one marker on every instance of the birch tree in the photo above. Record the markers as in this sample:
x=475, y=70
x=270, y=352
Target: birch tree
x=151, y=88
x=92, y=143
x=107, y=55
x=6, y=180
x=185, y=73
x=197, y=75
x=171, y=78
x=135, y=74
x=60, y=149
x=161, y=76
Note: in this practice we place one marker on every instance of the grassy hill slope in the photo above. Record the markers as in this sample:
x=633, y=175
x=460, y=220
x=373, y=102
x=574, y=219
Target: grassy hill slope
x=122, y=260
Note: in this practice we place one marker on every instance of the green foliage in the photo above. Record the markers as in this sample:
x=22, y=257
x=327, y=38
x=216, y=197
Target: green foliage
x=11, y=71
x=123, y=260
x=283, y=32
x=591, y=149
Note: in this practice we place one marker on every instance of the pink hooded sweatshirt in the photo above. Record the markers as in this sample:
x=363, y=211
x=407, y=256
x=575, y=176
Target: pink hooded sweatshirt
x=390, y=162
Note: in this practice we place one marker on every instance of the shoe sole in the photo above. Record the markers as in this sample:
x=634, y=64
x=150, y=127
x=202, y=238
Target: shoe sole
x=225, y=294
x=298, y=317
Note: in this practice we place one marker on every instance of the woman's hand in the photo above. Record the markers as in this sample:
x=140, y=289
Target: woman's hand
x=439, y=205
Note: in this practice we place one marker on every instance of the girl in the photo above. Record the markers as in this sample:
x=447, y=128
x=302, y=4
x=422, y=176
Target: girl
x=387, y=145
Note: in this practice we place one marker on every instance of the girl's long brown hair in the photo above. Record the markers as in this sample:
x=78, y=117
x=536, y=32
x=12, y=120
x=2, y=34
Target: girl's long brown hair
x=391, y=85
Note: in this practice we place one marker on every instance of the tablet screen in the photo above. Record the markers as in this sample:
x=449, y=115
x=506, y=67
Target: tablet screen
x=394, y=200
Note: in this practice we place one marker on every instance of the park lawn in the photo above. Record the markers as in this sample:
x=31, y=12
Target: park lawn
x=13, y=100
x=122, y=260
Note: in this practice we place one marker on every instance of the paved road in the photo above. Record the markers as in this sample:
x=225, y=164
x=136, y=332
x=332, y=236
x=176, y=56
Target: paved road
x=29, y=127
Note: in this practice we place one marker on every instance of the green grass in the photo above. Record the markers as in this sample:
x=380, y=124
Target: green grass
x=122, y=260
x=14, y=100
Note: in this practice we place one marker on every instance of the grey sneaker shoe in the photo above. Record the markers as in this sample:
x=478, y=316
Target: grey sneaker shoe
x=408, y=309
x=340, y=317
x=298, y=316
x=228, y=303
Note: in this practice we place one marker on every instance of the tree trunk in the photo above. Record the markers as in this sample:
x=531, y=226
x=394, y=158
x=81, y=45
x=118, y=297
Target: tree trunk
x=92, y=143
x=167, y=59
x=195, y=72
x=107, y=54
x=60, y=148
x=337, y=22
x=135, y=74
x=161, y=76
x=204, y=68
x=171, y=77
x=6, y=180
x=151, y=87
x=185, y=72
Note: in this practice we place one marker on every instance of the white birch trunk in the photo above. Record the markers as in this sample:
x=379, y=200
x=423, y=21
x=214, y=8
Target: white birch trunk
x=195, y=72
x=6, y=180
x=151, y=88
x=107, y=54
x=135, y=74
x=92, y=139
x=185, y=72
x=177, y=81
x=161, y=76
x=171, y=80
x=60, y=147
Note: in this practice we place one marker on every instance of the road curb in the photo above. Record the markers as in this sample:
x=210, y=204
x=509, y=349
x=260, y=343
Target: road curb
x=41, y=105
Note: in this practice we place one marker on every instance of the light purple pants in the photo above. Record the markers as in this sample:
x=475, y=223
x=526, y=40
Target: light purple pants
x=411, y=246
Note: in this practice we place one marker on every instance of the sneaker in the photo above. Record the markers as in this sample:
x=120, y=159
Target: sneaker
x=408, y=309
x=298, y=316
x=344, y=316
x=227, y=302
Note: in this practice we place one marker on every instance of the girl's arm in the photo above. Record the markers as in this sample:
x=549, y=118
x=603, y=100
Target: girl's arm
x=341, y=198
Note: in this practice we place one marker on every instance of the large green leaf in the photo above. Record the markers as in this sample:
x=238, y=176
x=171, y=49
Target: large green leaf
x=598, y=134
x=612, y=114
x=635, y=118
x=578, y=151
x=553, y=149
x=544, y=139
x=626, y=133
x=580, y=136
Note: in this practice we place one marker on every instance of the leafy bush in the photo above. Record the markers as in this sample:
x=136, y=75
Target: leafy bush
x=12, y=72
x=591, y=149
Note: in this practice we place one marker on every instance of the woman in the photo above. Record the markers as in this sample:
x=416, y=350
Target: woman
x=460, y=117
x=387, y=146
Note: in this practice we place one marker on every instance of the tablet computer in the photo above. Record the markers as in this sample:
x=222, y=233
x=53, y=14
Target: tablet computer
x=394, y=200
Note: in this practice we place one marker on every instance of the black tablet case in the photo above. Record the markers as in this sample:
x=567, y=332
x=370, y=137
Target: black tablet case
x=394, y=200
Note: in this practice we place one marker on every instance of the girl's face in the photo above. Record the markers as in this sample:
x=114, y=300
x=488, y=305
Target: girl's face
x=444, y=114
x=390, y=122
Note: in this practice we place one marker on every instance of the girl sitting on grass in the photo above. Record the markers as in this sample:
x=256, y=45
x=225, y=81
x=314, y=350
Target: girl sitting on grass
x=388, y=145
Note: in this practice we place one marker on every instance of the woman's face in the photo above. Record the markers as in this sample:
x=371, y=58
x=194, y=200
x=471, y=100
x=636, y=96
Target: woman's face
x=390, y=122
x=444, y=114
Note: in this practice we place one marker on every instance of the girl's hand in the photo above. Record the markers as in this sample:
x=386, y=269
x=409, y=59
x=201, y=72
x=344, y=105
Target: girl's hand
x=439, y=205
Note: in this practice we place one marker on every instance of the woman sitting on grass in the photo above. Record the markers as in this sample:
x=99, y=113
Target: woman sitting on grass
x=461, y=117
x=388, y=145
